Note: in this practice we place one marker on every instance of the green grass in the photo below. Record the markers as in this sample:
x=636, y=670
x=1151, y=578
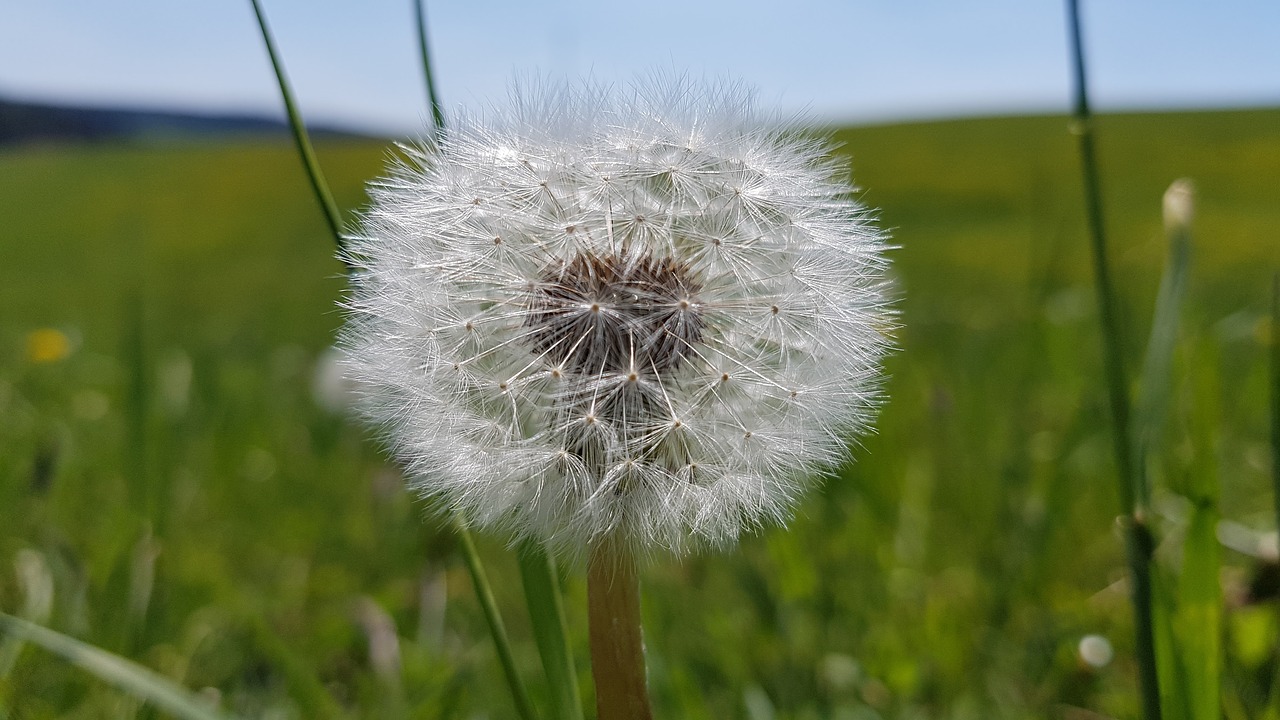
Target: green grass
x=949, y=572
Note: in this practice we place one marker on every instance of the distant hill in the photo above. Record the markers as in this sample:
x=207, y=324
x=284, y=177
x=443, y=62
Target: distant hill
x=23, y=122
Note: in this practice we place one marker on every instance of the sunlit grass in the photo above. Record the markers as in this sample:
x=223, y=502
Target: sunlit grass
x=952, y=569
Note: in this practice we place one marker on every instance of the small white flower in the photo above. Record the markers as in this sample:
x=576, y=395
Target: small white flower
x=1179, y=205
x=1095, y=651
x=646, y=313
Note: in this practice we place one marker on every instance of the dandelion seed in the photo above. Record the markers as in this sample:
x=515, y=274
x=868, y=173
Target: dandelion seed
x=549, y=305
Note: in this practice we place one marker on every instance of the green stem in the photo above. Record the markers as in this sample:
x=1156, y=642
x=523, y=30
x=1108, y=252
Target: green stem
x=300, y=137
x=330, y=209
x=437, y=112
x=1133, y=490
x=546, y=612
x=537, y=569
x=485, y=595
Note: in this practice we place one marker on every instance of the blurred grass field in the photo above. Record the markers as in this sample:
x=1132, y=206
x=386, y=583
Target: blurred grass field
x=166, y=465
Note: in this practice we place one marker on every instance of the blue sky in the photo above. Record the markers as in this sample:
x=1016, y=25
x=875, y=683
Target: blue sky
x=853, y=60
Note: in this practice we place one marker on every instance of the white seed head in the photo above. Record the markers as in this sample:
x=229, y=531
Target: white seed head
x=1179, y=205
x=646, y=314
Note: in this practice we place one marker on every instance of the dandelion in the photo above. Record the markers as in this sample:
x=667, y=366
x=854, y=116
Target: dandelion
x=618, y=321
x=644, y=316
x=47, y=345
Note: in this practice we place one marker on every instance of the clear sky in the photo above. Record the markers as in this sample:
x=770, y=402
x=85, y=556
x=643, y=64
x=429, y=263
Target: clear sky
x=356, y=63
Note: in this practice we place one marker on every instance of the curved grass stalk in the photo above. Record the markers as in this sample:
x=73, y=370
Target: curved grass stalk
x=1140, y=545
x=330, y=209
x=537, y=570
x=433, y=98
x=300, y=137
x=140, y=681
x=490, y=607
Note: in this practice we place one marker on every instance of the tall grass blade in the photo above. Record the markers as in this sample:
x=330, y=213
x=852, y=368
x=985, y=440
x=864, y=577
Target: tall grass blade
x=142, y=682
x=333, y=218
x=1195, y=691
x=1175, y=701
x=437, y=111
x=537, y=570
x=490, y=607
x=1200, y=614
x=546, y=612
x=1199, y=625
x=1178, y=614
x=1132, y=492
x=300, y=137
x=1157, y=368
x=1138, y=540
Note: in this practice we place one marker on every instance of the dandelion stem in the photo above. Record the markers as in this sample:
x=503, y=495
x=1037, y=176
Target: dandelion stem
x=437, y=112
x=1138, y=540
x=491, y=615
x=617, y=650
x=305, y=151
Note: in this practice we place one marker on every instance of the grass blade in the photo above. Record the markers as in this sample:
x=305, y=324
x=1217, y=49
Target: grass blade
x=1200, y=614
x=1131, y=488
x=437, y=112
x=125, y=674
x=537, y=570
x=1191, y=666
x=1169, y=662
x=36, y=581
x=546, y=613
x=325, y=198
x=300, y=137
x=1157, y=367
x=490, y=607
x=1138, y=540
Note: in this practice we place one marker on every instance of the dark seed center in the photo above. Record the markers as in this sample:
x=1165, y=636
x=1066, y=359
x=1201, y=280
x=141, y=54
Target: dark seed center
x=615, y=313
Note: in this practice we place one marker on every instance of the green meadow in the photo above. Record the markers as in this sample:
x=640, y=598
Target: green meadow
x=171, y=489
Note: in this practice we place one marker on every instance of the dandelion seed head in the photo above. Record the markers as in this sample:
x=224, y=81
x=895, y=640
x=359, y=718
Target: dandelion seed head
x=647, y=314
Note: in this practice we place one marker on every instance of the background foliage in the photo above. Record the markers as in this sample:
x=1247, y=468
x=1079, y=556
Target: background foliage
x=169, y=470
